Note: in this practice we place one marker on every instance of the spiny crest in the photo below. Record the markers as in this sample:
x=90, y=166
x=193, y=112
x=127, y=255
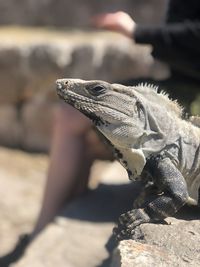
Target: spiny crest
x=151, y=93
x=146, y=86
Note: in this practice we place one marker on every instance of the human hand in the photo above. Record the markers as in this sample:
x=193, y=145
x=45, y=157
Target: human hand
x=120, y=22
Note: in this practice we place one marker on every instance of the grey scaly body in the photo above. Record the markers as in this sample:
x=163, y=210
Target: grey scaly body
x=149, y=138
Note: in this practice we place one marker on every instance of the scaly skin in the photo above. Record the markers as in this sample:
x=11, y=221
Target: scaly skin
x=149, y=138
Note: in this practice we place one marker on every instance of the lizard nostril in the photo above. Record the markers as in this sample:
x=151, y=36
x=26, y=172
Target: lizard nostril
x=66, y=82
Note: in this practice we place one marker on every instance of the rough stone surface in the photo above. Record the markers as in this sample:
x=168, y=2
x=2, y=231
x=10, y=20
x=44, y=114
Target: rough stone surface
x=70, y=243
x=84, y=232
x=179, y=237
x=81, y=235
x=22, y=179
x=131, y=253
x=172, y=244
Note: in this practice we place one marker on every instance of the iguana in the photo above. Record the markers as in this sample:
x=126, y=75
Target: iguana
x=150, y=139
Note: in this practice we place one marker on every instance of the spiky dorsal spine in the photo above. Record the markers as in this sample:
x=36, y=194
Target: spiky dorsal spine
x=147, y=86
x=150, y=91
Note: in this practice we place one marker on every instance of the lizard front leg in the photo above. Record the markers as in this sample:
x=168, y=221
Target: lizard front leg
x=148, y=191
x=174, y=195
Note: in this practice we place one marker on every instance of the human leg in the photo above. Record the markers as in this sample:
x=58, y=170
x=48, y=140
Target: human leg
x=68, y=158
x=70, y=162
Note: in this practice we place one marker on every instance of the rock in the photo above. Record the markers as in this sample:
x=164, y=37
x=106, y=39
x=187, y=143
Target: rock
x=10, y=126
x=22, y=179
x=131, y=253
x=179, y=237
x=174, y=244
x=88, y=220
x=70, y=243
x=82, y=236
x=83, y=233
x=12, y=76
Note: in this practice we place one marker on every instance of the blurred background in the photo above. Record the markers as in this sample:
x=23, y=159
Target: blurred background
x=41, y=41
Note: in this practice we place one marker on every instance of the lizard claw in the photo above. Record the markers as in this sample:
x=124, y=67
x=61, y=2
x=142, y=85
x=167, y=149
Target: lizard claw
x=128, y=222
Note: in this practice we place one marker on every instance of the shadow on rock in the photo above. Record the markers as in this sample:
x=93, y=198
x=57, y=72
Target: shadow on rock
x=189, y=213
x=103, y=204
x=16, y=253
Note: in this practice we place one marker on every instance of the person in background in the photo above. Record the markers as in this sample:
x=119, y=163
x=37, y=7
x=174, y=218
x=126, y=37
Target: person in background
x=176, y=43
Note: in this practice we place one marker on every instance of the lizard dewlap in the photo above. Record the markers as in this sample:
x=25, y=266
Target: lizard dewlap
x=149, y=138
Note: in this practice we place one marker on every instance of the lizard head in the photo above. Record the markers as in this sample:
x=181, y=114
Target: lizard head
x=112, y=108
x=137, y=121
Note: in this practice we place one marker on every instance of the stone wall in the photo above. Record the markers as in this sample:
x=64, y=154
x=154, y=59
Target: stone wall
x=31, y=59
x=30, y=65
x=74, y=13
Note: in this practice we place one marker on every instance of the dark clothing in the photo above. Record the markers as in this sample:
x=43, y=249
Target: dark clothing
x=177, y=42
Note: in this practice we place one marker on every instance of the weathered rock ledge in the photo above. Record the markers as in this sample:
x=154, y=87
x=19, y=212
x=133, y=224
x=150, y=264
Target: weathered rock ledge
x=83, y=236
x=175, y=244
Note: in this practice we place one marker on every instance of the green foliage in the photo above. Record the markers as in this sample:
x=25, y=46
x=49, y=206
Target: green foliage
x=195, y=106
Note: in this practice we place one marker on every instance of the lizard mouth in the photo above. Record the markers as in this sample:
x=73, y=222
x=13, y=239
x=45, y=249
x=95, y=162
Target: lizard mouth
x=60, y=89
x=63, y=93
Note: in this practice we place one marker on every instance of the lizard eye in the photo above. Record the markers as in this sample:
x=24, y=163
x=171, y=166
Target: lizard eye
x=97, y=90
